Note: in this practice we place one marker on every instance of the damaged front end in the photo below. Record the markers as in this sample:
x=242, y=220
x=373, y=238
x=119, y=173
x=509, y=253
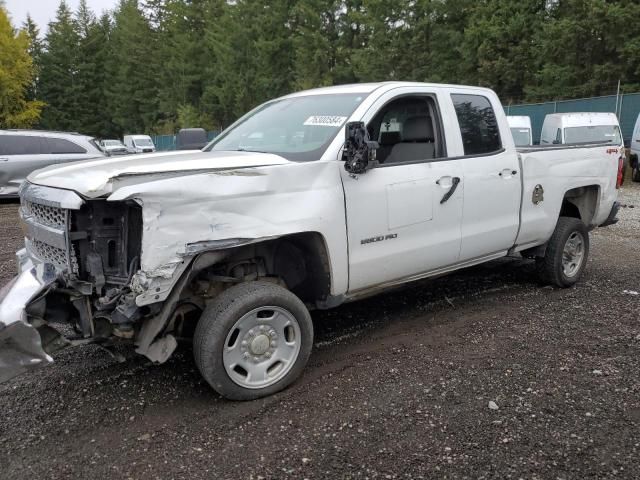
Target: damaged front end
x=79, y=259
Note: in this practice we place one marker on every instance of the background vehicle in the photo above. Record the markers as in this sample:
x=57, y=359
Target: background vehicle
x=113, y=147
x=139, y=144
x=233, y=246
x=561, y=128
x=23, y=151
x=191, y=139
x=634, y=151
x=520, y=126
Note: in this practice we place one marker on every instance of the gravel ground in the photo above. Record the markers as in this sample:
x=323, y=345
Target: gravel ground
x=481, y=374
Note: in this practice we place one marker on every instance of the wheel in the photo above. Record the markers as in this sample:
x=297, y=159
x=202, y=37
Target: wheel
x=253, y=340
x=635, y=174
x=566, y=254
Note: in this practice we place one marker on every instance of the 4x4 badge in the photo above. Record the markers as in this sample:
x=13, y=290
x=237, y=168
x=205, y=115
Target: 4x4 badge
x=538, y=194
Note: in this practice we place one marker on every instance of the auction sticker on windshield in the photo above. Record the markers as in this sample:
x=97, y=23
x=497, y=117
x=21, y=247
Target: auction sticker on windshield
x=325, y=120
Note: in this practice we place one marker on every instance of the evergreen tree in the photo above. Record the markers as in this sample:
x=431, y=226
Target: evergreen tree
x=35, y=51
x=58, y=72
x=16, y=77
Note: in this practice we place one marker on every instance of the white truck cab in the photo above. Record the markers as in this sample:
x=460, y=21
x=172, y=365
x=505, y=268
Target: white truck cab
x=634, y=151
x=520, y=126
x=139, y=144
x=306, y=202
x=584, y=127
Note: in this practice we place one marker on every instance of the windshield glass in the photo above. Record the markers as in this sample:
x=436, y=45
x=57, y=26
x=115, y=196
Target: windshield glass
x=594, y=133
x=521, y=136
x=143, y=142
x=298, y=129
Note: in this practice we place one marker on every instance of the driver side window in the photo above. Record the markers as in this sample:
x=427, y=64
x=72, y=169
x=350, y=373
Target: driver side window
x=407, y=130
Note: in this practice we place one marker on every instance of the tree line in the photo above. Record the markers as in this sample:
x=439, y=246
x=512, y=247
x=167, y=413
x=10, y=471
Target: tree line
x=155, y=66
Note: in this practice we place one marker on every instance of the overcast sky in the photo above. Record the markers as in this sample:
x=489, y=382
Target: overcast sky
x=43, y=11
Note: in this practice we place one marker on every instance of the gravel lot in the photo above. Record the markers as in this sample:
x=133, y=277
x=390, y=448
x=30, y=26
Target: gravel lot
x=399, y=386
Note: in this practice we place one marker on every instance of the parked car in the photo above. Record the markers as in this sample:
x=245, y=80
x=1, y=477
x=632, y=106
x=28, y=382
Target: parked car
x=113, y=147
x=520, y=126
x=191, y=139
x=634, y=151
x=232, y=246
x=23, y=151
x=139, y=144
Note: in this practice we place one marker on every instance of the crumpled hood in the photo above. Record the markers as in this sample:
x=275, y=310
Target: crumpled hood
x=94, y=178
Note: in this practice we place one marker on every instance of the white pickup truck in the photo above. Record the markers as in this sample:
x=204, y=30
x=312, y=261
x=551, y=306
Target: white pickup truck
x=308, y=201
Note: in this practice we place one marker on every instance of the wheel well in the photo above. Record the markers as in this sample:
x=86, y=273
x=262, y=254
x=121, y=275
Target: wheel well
x=299, y=261
x=581, y=203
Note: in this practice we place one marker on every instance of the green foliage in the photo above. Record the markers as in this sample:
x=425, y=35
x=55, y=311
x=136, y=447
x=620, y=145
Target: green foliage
x=16, y=77
x=158, y=65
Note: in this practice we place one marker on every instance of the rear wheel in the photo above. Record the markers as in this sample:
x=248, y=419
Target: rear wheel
x=566, y=254
x=635, y=175
x=253, y=340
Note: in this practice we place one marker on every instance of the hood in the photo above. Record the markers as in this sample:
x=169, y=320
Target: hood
x=94, y=178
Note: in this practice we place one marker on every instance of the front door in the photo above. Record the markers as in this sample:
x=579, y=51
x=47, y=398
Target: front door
x=398, y=224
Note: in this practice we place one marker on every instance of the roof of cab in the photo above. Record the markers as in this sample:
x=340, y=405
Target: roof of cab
x=370, y=87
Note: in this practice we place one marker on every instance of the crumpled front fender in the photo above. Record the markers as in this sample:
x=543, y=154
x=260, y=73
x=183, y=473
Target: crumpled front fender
x=20, y=344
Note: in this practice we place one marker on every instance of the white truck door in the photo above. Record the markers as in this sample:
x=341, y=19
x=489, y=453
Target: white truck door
x=397, y=226
x=492, y=190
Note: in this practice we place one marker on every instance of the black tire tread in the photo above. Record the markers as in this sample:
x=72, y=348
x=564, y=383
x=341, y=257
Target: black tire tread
x=549, y=267
x=212, y=328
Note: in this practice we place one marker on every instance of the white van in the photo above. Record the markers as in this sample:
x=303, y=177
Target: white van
x=139, y=144
x=520, y=126
x=561, y=128
x=634, y=151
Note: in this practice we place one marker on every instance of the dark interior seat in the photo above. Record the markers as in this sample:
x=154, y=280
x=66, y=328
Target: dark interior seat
x=387, y=141
x=417, y=141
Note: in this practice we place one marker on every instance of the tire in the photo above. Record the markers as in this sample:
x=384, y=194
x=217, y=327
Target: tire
x=568, y=234
x=635, y=174
x=253, y=340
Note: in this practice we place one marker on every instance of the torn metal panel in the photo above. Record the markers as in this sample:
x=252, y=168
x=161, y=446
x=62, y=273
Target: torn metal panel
x=212, y=209
x=20, y=344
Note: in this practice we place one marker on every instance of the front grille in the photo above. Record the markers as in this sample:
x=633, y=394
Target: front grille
x=50, y=254
x=46, y=215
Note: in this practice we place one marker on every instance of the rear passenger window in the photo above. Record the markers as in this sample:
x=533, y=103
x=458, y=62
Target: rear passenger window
x=478, y=124
x=19, y=145
x=60, y=145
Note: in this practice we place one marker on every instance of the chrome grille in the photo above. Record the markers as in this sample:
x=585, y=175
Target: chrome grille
x=50, y=254
x=46, y=215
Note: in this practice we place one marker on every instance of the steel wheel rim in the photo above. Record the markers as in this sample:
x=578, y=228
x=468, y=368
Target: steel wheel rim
x=261, y=347
x=573, y=254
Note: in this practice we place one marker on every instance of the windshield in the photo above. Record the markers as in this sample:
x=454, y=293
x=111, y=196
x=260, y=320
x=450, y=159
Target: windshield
x=521, y=136
x=595, y=133
x=298, y=129
x=143, y=142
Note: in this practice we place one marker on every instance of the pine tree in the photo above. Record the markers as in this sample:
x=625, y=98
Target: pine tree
x=35, y=51
x=58, y=76
x=16, y=77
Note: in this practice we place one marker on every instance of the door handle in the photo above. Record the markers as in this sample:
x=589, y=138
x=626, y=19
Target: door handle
x=507, y=172
x=454, y=184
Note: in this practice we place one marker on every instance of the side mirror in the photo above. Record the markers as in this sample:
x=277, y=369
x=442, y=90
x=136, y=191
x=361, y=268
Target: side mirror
x=556, y=142
x=359, y=154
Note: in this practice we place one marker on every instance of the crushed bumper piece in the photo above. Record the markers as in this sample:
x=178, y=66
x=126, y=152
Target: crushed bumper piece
x=20, y=344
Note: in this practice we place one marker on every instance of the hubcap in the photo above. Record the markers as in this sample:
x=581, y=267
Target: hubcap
x=261, y=347
x=573, y=254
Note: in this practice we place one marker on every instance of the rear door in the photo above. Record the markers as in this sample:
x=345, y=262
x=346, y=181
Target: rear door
x=398, y=224
x=19, y=156
x=490, y=216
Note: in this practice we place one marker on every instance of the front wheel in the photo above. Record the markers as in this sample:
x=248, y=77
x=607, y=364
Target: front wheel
x=253, y=340
x=635, y=174
x=566, y=254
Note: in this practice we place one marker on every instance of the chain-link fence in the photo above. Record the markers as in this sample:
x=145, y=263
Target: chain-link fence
x=625, y=106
